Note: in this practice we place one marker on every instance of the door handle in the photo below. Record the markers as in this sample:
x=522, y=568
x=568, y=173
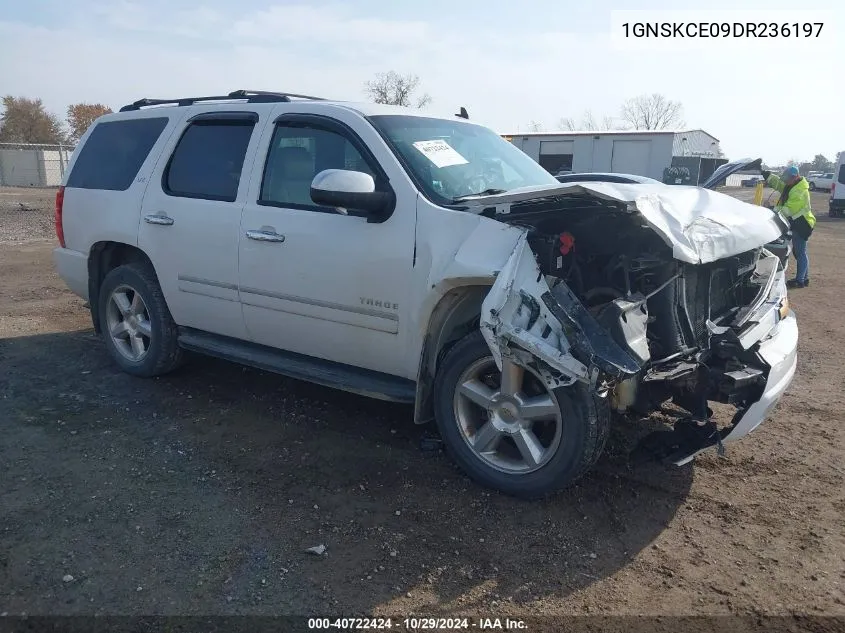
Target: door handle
x=161, y=219
x=265, y=236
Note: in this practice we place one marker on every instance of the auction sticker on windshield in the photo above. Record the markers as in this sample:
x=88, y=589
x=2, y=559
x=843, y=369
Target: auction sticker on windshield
x=440, y=153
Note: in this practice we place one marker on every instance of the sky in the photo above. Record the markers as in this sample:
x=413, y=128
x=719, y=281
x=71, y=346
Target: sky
x=509, y=64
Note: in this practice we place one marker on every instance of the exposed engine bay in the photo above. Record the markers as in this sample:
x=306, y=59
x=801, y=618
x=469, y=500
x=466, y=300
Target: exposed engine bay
x=651, y=327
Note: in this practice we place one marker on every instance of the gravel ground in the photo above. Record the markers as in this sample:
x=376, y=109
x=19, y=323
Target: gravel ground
x=199, y=492
x=26, y=214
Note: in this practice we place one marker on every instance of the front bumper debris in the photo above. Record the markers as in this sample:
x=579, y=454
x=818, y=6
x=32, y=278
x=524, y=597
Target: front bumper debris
x=550, y=324
x=690, y=437
x=780, y=352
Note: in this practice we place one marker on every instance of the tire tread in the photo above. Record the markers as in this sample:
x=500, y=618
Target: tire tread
x=593, y=428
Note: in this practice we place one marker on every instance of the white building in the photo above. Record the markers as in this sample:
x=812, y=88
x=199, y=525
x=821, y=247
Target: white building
x=694, y=153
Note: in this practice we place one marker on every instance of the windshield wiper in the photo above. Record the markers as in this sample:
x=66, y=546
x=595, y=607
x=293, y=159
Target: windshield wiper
x=486, y=192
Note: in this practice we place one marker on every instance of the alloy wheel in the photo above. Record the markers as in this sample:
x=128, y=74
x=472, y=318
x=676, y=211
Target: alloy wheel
x=509, y=419
x=128, y=323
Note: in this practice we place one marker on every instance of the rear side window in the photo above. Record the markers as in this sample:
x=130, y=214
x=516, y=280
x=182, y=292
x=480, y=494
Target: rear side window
x=114, y=152
x=841, y=178
x=208, y=160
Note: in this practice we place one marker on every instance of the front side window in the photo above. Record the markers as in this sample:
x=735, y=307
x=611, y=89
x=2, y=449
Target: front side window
x=298, y=153
x=208, y=160
x=452, y=159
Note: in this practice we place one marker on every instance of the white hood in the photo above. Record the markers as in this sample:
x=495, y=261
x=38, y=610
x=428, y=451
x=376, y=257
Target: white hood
x=699, y=224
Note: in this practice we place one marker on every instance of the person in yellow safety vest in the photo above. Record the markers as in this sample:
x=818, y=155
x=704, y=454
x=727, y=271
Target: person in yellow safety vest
x=794, y=203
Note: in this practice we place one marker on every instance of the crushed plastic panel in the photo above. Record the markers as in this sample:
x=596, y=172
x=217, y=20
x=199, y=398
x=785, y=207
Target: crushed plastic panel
x=519, y=310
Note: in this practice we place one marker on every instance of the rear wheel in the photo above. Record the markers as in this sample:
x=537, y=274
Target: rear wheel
x=137, y=327
x=507, y=430
x=812, y=186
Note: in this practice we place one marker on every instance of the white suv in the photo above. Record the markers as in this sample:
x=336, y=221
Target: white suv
x=822, y=182
x=425, y=260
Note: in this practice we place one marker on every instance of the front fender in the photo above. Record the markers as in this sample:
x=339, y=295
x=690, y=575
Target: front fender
x=479, y=257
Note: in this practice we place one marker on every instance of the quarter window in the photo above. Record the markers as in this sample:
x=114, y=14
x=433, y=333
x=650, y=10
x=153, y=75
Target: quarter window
x=296, y=155
x=114, y=152
x=208, y=160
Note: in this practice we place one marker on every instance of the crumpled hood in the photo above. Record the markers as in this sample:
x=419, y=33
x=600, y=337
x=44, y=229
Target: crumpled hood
x=699, y=225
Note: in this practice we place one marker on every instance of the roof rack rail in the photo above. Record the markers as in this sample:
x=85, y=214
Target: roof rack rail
x=262, y=93
x=251, y=96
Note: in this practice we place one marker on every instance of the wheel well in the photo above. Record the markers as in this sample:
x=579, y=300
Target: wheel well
x=102, y=258
x=455, y=315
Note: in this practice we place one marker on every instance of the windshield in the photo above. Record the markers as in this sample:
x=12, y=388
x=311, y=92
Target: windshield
x=449, y=160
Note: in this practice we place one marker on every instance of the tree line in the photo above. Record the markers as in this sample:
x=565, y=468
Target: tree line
x=819, y=163
x=25, y=120
x=644, y=112
x=28, y=121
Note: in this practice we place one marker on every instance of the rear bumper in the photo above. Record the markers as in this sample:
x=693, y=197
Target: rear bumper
x=780, y=352
x=72, y=267
x=836, y=203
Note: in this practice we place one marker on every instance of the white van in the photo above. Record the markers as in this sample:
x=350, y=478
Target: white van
x=836, y=206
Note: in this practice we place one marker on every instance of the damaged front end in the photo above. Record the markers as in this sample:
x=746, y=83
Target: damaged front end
x=592, y=293
x=551, y=325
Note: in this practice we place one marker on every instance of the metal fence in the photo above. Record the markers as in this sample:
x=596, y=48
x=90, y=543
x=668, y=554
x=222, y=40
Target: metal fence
x=33, y=164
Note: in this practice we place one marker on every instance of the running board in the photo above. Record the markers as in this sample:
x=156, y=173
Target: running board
x=363, y=382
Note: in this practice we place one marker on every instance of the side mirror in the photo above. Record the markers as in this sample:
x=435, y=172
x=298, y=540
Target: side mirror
x=348, y=190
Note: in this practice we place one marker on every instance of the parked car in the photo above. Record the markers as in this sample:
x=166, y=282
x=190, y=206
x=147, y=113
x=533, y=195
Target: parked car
x=606, y=177
x=751, y=182
x=425, y=260
x=821, y=183
x=836, y=203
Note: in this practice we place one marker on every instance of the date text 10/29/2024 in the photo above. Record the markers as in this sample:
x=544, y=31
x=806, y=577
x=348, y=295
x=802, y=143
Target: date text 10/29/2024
x=417, y=624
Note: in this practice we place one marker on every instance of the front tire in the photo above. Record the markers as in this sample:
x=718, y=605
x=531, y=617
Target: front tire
x=136, y=324
x=507, y=430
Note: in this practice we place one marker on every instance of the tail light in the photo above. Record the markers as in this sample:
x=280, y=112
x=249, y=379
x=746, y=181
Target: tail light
x=60, y=200
x=832, y=189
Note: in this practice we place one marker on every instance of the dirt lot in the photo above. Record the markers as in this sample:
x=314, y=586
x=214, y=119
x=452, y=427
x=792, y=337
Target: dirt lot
x=198, y=493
